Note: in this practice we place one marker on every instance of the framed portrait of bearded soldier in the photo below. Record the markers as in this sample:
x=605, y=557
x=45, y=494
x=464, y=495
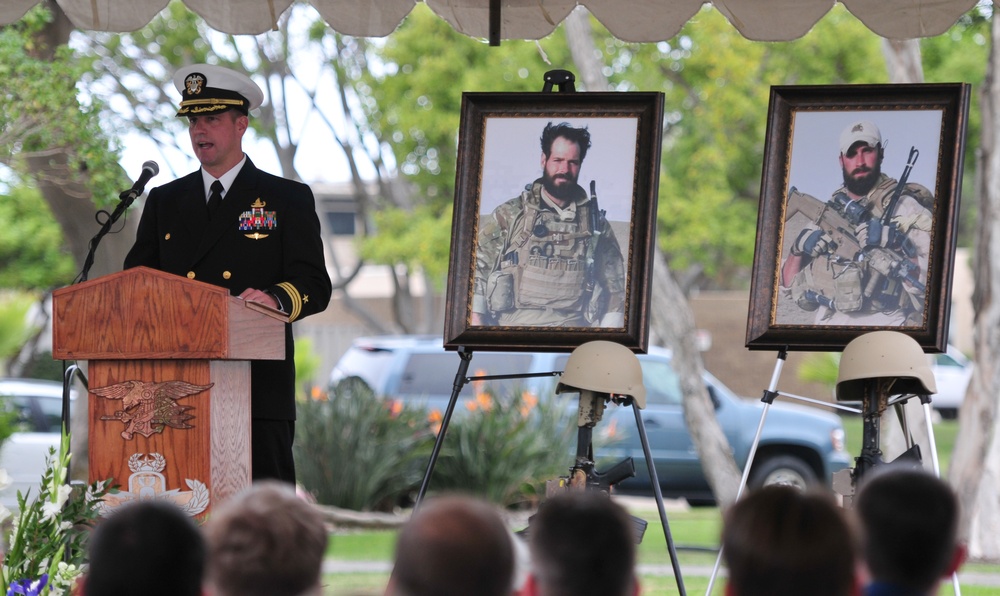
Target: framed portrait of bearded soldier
x=858, y=216
x=553, y=222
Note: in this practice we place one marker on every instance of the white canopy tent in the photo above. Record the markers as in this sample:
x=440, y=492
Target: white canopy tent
x=629, y=20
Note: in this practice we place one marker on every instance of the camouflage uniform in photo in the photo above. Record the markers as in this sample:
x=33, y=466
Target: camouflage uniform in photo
x=853, y=281
x=532, y=265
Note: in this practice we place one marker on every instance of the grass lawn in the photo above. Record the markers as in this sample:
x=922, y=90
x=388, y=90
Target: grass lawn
x=695, y=533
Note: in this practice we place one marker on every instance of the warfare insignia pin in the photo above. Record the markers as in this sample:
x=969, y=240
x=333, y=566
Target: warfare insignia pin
x=194, y=83
x=257, y=221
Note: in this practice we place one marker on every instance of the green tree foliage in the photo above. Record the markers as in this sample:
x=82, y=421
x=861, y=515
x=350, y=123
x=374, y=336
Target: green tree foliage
x=960, y=55
x=13, y=314
x=31, y=252
x=413, y=98
x=41, y=108
x=717, y=87
x=417, y=90
x=418, y=238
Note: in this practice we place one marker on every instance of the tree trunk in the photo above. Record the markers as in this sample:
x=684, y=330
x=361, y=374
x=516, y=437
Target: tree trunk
x=671, y=317
x=902, y=58
x=975, y=465
x=673, y=321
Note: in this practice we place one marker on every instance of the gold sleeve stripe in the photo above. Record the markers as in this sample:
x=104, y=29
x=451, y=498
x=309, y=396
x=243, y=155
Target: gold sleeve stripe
x=296, y=299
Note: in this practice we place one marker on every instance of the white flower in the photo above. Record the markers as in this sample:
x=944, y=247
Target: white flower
x=52, y=507
x=50, y=510
x=4, y=514
x=63, y=578
x=62, y=495
x=5, y=479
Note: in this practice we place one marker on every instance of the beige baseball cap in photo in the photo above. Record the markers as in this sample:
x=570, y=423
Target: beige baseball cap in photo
x=863, y=131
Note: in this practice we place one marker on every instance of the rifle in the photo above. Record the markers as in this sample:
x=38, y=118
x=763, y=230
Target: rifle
x=883, y=262
x=890, y=207
x=834, y=217
x=592, y=312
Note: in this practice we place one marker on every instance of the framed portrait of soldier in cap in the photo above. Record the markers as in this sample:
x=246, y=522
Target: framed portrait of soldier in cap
x=555, y=208
x=859, y=207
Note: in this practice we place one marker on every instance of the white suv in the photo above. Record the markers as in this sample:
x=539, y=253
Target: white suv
x=39, y=419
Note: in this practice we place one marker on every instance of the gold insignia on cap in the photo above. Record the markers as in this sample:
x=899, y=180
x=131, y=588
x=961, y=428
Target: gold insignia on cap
x=194, y=83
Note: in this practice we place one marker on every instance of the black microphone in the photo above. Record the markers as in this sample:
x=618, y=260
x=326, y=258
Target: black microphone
x=149, y=169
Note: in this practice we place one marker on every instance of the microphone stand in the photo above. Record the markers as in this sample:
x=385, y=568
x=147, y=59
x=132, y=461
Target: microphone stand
x=124, y=201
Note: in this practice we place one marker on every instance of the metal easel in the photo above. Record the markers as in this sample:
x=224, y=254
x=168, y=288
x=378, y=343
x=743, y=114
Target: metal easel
x=564, y=81
x=875, y=401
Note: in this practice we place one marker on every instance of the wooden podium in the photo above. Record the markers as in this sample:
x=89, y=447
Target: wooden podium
x=169, y=381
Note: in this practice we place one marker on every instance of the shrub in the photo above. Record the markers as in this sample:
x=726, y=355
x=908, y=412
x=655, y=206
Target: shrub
x=504, y=448
x=355, y=451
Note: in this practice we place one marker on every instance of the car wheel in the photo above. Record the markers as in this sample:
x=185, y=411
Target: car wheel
x=782, y=469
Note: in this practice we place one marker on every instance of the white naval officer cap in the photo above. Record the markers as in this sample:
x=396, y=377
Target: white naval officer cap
x=210, y=89
x=862, y=130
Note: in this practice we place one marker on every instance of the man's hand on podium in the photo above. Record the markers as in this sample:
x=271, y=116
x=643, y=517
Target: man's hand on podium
x=265, y=298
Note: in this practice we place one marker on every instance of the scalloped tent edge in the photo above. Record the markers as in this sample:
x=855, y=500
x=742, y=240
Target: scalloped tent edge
x=628, y=20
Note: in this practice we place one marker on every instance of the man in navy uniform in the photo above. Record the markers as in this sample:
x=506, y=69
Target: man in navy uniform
x=232, y=225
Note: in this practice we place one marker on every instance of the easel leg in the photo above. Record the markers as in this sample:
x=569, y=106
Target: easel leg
x=769, y=395
x=655, y=481
x=928, y=412
x=460, y=378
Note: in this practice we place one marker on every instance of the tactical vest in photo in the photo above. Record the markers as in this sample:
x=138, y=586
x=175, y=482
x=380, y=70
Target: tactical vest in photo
x=543, y=261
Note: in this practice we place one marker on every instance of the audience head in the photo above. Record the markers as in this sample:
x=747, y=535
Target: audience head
x=779, y=540
x=453, y=546
x=147, y=548
x=266, y=541
x=909, y=523
x=582, y=544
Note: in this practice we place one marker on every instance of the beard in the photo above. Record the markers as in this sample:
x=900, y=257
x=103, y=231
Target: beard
x=560, y=186
x=861, y=186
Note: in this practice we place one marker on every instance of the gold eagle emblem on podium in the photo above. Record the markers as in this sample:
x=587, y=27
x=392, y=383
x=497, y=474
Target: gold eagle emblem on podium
x=148, y=408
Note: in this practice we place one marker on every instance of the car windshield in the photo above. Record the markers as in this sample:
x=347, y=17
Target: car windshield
x=947, y=360
x=662, y=383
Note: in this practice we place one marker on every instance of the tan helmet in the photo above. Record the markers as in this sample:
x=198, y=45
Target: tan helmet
x=604, y=367
x=881, y=354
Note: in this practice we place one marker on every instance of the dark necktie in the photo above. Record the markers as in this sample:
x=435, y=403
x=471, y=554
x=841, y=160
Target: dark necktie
x=214, y=198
